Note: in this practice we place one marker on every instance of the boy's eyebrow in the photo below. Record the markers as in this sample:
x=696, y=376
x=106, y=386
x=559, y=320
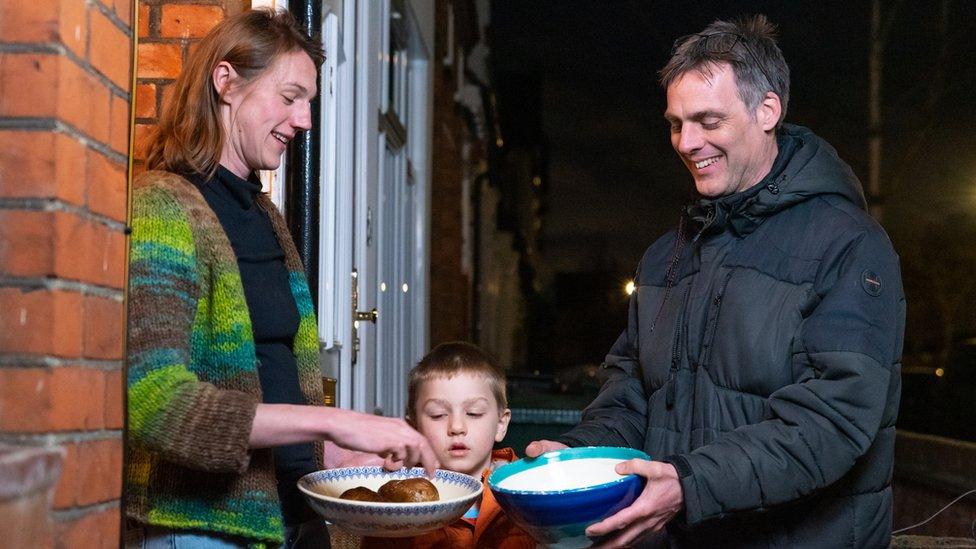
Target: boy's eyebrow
x=445, y=403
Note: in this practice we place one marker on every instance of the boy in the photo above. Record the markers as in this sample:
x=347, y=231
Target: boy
x=456, y=398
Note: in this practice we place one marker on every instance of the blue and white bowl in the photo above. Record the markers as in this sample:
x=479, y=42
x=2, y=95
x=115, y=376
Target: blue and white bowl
x=392, y=520
x=555, y=496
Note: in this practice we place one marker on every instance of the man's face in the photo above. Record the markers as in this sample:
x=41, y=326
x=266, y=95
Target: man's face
x=726, y=148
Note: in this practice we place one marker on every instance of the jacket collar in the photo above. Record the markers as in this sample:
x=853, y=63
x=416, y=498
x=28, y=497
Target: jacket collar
x=805, y=167
x=737, y=212
x=489, y=508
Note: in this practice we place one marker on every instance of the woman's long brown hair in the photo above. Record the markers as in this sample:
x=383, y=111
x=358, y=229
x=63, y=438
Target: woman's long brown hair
x=188, y=137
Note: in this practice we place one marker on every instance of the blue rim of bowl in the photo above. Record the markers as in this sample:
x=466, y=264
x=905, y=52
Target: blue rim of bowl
x=566, y=454
x=451, y=477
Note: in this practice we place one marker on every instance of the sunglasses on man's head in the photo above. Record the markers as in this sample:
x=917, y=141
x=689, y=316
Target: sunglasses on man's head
x=717, y=43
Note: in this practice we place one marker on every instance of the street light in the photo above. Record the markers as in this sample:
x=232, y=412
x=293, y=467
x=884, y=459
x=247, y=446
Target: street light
x=629, y=287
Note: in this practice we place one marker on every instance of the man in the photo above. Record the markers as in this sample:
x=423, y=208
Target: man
x=759, y=367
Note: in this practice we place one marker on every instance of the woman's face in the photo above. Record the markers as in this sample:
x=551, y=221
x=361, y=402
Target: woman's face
x=260, y=117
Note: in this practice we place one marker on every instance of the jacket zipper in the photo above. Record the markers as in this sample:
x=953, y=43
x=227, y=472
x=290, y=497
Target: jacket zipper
x=717, y=301
x=676, y=350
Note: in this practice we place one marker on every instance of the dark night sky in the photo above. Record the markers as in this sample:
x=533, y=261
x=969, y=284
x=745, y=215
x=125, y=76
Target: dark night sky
x=615, y=183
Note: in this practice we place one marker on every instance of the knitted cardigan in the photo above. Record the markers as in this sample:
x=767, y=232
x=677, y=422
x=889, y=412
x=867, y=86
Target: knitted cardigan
x=193, y=385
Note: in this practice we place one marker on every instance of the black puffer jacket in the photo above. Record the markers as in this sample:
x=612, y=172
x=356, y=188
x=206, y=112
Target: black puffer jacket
x=767, y=369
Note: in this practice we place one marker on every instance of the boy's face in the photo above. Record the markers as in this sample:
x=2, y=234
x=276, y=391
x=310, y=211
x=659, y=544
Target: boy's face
x=460, y=418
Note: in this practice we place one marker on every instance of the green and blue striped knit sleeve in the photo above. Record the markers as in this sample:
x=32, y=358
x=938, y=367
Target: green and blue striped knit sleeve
x=171, y=411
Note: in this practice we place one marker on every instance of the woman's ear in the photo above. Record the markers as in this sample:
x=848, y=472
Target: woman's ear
x=223, y=77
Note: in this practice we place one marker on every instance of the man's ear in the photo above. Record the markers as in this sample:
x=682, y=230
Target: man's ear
x=503, y=420
x=769, y=111
x=223, y=77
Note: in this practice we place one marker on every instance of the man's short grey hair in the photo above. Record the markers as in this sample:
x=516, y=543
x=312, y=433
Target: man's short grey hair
x=749, y=46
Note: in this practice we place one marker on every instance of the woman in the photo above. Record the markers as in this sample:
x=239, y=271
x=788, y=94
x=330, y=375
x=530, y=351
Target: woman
x=223, y=378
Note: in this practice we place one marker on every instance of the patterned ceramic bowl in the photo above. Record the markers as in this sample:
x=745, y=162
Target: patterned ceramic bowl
x=555, y=496
x=392, y=520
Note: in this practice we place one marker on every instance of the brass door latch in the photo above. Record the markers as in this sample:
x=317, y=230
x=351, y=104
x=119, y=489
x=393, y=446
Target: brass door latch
x=359, y=316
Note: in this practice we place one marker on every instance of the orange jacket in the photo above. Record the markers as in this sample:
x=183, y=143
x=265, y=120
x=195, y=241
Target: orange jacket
x=492, y=529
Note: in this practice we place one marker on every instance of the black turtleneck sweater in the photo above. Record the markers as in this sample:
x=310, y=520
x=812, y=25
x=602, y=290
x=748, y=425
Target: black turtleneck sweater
x=274, y=316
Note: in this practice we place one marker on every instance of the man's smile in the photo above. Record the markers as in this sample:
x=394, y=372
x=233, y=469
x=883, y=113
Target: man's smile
x=707, y=162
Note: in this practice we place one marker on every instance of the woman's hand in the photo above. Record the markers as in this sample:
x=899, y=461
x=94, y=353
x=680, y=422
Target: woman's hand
x=392, y=439
x=336, y=456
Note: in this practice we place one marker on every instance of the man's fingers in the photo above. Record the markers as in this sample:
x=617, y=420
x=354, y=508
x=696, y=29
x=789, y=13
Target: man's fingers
x=630, y=534
x=538, y=447
x=635, y=466
x=624, y=468
x=614, y=522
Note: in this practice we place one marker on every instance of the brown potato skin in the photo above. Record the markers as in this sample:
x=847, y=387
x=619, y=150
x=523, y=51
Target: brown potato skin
x=411, y=490
x=362, y=493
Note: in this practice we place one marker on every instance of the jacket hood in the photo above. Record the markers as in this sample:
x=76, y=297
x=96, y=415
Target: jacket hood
x=812, y=170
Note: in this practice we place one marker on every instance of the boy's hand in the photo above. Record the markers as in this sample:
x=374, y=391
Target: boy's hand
x=538, y=447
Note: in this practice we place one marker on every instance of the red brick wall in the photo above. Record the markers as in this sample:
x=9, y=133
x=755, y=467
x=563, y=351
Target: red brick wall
x=167, y=32
x=450, y=288
x=64, y=132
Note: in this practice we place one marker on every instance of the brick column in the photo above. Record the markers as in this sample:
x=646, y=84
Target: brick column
x=64, y=131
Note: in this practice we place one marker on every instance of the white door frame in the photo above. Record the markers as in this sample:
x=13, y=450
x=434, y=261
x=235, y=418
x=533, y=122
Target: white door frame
x=336, y=324
x=355, y=34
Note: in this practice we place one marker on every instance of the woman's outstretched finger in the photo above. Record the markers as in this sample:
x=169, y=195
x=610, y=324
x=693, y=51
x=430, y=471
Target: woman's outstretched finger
x=429, y=459
x=391, y=464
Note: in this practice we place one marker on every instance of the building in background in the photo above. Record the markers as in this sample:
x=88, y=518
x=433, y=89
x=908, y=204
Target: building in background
x=501, y=195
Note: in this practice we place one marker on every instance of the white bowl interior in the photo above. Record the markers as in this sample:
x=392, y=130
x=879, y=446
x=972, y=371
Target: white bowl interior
x=564, y=475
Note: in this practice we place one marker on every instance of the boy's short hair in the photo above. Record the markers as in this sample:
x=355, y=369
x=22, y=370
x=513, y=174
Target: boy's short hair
x=453, y=358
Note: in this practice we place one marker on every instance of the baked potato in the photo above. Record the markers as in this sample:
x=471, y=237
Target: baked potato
x=362, y=493
x=411, y=490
